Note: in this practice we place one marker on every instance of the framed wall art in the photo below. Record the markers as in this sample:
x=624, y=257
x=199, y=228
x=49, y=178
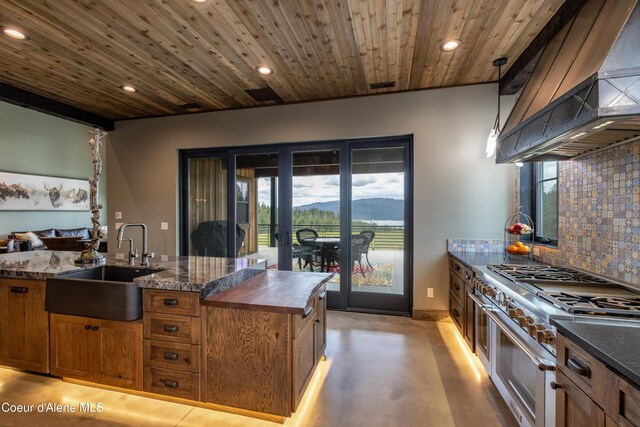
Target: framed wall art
x=23, y=192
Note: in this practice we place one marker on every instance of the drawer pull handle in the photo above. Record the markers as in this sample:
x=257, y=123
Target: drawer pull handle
x=170, y=355
x=455, y=312
x=456, y=267
x=578, y=367
x=467, y=276
x=94, y=328
x=171, y=383
x=19, y=290
x=171, y=328
x=456, y=287
x=171, y=302
x=307, y=312
x=555, y=385
x=87, y=327
x=322, y=295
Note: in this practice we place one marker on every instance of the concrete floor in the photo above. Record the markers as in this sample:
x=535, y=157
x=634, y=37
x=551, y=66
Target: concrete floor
x=380, y=371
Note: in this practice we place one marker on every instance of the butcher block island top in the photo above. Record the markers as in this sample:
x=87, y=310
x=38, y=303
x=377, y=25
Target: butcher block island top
x=206, y=275
x=274, y=291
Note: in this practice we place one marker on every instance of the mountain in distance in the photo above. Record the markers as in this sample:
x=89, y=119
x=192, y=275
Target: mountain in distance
x=374, y=209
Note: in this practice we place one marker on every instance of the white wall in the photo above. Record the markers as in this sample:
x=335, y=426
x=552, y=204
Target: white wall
x=39, y=144
x=458, y=192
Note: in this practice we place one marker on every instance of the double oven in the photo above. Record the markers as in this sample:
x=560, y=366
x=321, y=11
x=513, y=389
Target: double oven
x=514, y=338
x=521, y=371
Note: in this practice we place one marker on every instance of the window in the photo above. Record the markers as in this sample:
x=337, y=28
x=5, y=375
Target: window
x=539, y=198
x=242, y=202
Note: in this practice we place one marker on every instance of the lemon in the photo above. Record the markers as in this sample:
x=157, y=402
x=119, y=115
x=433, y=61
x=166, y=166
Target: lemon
x=519, y=244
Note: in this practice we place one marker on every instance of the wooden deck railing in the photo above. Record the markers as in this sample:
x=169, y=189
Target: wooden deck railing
x=387, y=236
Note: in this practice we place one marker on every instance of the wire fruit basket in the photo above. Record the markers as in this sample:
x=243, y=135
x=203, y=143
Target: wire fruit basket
x=519, y=236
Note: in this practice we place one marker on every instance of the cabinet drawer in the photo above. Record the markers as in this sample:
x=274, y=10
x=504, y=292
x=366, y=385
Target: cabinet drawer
x=456, y=286
x=172, y=383
x=455, y=309
x=171, y=302
x=581, y=368
x=300, y=320
x=623, y=401
x=167, y=327
x=172, y=355
x=456, y=266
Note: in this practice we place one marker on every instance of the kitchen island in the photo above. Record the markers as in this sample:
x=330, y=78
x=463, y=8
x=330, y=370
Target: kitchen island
x=206, y=323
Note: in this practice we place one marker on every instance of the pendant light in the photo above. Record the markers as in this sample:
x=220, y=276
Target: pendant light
x=495, y=131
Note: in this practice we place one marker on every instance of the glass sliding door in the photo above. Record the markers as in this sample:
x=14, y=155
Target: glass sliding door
x=342, y=207
x=315, y=212
x=204, y=206
x=380, y=221
x=256, y=208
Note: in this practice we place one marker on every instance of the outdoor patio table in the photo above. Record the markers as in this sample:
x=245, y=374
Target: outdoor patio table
x=326, y=244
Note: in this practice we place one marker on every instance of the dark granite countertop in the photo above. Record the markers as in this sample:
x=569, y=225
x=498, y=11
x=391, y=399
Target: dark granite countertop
x=615, y=343
x=484, y=258
x=207, y=275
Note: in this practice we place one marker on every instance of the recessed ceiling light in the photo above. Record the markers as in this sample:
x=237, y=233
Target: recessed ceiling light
x=128, y=88
x=201, y=1
x=14, y=33
x=450, y=45
x=264, y=70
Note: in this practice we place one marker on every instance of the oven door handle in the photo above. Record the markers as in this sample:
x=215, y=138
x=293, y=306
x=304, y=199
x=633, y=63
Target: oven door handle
x=543, y=365
x=478, y=301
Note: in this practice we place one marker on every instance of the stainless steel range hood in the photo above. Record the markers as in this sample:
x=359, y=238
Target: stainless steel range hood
x=584, y=93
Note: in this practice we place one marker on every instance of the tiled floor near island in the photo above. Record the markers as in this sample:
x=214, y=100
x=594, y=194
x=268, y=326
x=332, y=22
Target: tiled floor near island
x=380, y=371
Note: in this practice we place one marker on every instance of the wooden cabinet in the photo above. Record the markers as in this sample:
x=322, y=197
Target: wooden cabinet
x=574, y=407
x=24, y=325
x=172, y=343
x=461, y=306
x=103, y=351
x=263, y=360
x=590, y=394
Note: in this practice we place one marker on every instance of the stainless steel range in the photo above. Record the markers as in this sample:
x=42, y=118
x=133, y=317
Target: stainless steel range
x=514, y=338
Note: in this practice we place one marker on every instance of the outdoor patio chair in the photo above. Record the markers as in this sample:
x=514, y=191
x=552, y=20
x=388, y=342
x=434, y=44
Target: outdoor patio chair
x=370, y=234
x=310, y=254
x=359, y=243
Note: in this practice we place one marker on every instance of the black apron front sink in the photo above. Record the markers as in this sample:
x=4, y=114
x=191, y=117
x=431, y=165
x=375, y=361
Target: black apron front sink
x=102, y=293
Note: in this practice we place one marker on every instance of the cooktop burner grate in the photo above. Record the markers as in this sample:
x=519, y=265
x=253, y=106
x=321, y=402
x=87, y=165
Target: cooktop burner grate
x=574, y=302
x=544, y=273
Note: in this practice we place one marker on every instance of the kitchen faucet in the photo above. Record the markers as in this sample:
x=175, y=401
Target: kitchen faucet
x=146, y=255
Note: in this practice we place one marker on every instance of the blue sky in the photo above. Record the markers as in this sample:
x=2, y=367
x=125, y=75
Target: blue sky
x=325, y=188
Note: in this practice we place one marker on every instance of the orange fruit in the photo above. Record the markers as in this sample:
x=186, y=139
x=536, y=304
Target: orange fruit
x=512, y=249
x=523, y=250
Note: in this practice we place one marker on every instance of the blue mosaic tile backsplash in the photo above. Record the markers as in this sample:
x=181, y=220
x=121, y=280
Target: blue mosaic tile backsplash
x=473, y=245
x=599, y=214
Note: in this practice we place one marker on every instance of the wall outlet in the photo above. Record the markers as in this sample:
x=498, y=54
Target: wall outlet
x=119, y=256
x=118, y=215
x=118, y=225
x=536, y=252
x=164, y=258
x=429, y=292
x=164, y=226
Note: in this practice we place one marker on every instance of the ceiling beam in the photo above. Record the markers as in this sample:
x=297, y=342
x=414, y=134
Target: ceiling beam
x=519, y=72
x=24, y=98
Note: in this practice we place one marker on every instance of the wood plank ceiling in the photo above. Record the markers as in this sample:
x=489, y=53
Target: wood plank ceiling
x=178, y=52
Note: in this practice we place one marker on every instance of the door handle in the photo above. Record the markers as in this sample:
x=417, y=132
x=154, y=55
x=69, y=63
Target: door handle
x=578, y=367
x=171, y=355
x=171, y=383
x=171, y=328
x=307, y=312
x=172, y=302
x=288, y=239
x=19, y=290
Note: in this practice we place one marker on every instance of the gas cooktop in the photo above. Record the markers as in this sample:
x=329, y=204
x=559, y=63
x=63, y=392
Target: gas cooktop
x=544, y=273
x=574, y=291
